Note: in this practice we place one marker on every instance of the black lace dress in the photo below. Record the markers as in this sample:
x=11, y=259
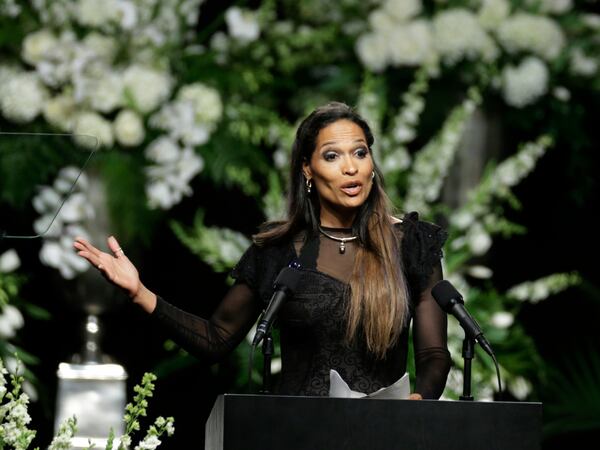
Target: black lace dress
x=312, y=323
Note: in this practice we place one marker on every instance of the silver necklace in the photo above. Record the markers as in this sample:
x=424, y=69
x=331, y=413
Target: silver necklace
x=341, y=240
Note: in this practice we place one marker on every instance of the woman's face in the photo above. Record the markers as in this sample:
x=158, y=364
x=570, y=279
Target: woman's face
x=340, y=169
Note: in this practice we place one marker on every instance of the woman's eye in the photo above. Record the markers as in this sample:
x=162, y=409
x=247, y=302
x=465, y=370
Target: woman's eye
x=330, y=156
x=361, y=152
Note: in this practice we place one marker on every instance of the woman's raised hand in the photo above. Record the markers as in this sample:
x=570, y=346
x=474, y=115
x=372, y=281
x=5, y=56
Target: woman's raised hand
x=117, y=268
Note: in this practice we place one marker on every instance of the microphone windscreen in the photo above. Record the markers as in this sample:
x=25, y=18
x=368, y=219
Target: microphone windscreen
x=445, y=294
x=288, y=278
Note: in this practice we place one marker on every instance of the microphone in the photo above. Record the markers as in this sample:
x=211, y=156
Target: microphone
x=452, y=302
x=284, y=285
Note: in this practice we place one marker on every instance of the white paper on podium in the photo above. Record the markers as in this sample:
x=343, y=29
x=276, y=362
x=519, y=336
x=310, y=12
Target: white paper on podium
x=400, y=390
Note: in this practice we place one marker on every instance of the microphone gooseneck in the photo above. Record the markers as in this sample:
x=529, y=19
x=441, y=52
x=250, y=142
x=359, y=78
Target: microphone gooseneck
x=450, y=300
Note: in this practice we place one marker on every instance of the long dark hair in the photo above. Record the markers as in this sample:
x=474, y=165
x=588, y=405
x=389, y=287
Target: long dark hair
x=378, y=293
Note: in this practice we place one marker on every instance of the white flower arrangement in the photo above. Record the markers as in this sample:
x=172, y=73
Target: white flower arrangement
x=242, y=24
x=146, y=87
x=57, y=249
x=539, y=35
x=169, y=176
x=22, y=97
x=110, y=81
x=129, y=128
x=537, y=290
x=400, y=34
x=402, y=10
x=526, y=83
x=432, y=163
x=472, y=43
x=492, y=13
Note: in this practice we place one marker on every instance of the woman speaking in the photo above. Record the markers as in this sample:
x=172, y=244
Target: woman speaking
x=365, y=275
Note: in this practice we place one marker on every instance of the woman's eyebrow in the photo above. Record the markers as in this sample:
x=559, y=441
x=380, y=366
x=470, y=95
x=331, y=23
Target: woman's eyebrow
x=356, y=141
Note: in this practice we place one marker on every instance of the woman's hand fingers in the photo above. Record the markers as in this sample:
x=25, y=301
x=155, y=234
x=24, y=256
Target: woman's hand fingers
x=415, y=396
x=116, y=267
x=113, y=244
x=83, y=244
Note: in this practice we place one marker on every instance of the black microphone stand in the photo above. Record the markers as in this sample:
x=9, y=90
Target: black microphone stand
x=468, y=353
x=267, y=349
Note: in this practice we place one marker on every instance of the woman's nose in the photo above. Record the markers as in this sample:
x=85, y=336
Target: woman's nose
x=350, y=167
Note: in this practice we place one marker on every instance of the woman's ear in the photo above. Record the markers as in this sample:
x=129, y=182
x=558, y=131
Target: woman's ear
x=306, y=170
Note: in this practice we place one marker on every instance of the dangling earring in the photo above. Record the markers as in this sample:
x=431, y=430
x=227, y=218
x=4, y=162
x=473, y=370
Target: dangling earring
x=308, y=186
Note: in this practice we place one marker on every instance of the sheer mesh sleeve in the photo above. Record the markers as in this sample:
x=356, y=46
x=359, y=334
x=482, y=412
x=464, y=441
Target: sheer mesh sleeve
x=212, y=339
x=432, y=359
x=422, y=252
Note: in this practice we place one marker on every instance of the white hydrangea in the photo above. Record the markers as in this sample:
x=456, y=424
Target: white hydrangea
x=59, y=64
x=9, y=261
x=220, y=43
x=192, y=116
x=591, y=21
x=561, y=93
x=37, y=45
x=410, y=44
x=96, y=14
x=402, y=10
x=381, y=21
x=458, y=35
x=372, y=50
x=481, y=272
x=57, y=249
x=552, y=6
x=526, y=83
x=492, y=13
x=580, y=64
x=242, y=24
x=54, y=12
x=519, y=387
x=462, y=219
x=169, y=177
x=22, y=97
x=104, y=47
x=11, y=320
x=10, y=8
x=146, y=87
x=127, y=14
x=129, y=128
x=59, y=254
x=478, y=239
x=92, y=124
x=100, y=89
x=205, y=100
x=162, y=150
x=530, y=33
x=60, y=111
x=502, y=319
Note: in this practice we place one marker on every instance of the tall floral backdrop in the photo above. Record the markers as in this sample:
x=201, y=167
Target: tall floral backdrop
x=191, y=106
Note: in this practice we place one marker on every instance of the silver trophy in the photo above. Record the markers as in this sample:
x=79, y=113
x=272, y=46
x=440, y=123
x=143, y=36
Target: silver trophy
x=92, y=386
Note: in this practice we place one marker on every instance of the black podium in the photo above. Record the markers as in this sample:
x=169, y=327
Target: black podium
x=264, y=422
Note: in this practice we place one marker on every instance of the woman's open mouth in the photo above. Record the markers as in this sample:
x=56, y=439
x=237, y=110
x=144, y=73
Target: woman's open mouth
x=352, y=188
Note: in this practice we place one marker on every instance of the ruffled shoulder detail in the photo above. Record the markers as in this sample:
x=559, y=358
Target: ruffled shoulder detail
x=259, y=266
x=422, y=248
